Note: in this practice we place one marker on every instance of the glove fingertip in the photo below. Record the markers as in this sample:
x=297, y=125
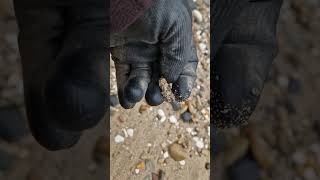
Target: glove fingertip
x=153, y=95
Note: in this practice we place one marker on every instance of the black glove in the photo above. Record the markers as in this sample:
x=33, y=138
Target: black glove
x=63, y=53
x=158, y=44
x=244, y=46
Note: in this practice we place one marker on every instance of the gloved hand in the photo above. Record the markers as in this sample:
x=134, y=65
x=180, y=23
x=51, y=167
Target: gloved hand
x=158, y=44
x=63, y=52
x=243, y=48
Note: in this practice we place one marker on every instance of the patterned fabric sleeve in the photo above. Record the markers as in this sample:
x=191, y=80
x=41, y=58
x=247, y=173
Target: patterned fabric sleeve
x=125, y=12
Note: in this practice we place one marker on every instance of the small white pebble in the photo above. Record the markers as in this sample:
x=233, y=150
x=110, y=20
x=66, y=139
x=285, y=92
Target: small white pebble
x=162, y=119
x=198, y=142
x=197, y=15
x=173, y=119
x=149, y=144
x=182, y=163
x=125, y=133
x=193, y=133
x=137, y=171
x=161, y=113
x=119, y=139
x=130, y=132
x=202, y=46
x=166, y=155
x=189, y=130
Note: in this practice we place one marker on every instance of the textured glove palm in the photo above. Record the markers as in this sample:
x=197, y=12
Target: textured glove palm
x=157, y=44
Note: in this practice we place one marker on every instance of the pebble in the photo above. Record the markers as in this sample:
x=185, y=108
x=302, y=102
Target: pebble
x=119, y=139
x=114, y=100
x=161, y=115
x=166, y=155
x=176, y=106
x=130, y=132
x=186, y=116
x=202, y=46
x=198, y=142
x=197, y=15
x=141, y=166
x=182, y=163
x=207, y=2
x=173, y=119
x=143, y=108
x=207, y=166
x=177, y=152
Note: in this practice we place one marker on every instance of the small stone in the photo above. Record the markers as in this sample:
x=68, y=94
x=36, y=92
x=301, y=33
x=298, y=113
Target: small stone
x=161, y=113
x=197, y=15
x=173, y=119
x=143, y=108
x=207, y=166
x=176, y=106
x=202, y=46
x=186, y=116
x=198, y=142
x=137, y=171
x=166, y=155
x=177, y=152
x=114, y=100
x=182, y=163
x=207, y=2
x=130, y=132
x=119, y=139
x=141, y=166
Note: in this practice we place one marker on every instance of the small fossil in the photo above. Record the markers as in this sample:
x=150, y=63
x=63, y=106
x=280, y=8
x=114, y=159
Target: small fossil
x=166, y=90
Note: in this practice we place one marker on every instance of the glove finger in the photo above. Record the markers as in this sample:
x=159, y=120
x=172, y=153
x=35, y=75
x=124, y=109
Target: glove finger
x=183, y=86
x=77, y=88
x=122, y=75
x=177, y=44
x=140, y=77
x=153, y=94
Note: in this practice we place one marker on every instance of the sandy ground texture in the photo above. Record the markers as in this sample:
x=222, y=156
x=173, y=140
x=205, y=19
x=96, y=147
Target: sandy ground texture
x=25, y=159
x=146, y=140
x=282, y=140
